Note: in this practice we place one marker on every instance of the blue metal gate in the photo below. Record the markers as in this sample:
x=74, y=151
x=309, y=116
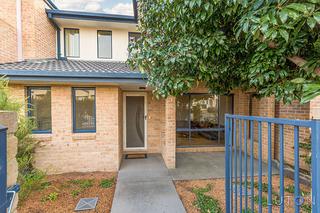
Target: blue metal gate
x=237, y=141
x=3, y=169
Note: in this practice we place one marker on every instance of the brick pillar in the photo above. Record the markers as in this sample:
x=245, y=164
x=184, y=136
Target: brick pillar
x=315, y=108
x=169, y=145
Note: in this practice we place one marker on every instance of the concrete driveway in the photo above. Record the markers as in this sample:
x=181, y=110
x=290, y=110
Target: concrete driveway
x=144, y=186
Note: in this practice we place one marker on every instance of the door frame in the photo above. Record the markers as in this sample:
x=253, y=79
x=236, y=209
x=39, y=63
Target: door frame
x=142, y=94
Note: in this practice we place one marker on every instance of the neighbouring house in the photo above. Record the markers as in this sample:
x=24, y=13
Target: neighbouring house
x=91, y=108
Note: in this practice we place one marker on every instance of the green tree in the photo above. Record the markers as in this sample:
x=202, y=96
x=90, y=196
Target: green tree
x=270, y=46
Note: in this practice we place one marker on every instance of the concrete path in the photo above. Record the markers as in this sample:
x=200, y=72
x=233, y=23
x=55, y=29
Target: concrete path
x=207, y=165
x=144, y=185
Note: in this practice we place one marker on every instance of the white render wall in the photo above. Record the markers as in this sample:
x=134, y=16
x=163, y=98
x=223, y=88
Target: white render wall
x=88, y=43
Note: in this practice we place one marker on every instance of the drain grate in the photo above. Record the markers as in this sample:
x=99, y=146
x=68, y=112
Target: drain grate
x=86, y=204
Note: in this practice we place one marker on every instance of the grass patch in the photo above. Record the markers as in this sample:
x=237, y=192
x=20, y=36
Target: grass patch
x=205, y=203
x=107, y=183
x=306, y=208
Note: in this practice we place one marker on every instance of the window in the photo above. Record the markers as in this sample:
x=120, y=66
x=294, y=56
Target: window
x=200, y=119
x=84, y=110
x=39, y=108
x=104, y=44
x=72, y=42
x=133, y=37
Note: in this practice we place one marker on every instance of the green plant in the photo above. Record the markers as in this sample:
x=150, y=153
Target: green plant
x=106, y=183
x=6, y=102
x=307, y=147
x=264, y=200
x=306, y=208
x=75, y=193
x=205, y=203
x=31, y=182
x=84, y=184
x=53, y=196
x=271, y=47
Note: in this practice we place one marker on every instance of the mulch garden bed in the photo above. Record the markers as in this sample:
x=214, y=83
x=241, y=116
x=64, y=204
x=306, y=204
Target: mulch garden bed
x=61, y=193
x=206, y=195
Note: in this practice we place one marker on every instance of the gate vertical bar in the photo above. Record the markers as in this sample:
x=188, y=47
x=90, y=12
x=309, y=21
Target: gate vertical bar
x=227, y=162
x=269, y=169
x=281, y=168
x=296, y=170
x=260, y=165
x=245, y=166
x=235, y=165
x=240, y=161
x=251, y=165
x=3, y=169
x=315, y=164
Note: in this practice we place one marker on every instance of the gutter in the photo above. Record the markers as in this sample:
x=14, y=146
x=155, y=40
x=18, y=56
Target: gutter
x=77, y=15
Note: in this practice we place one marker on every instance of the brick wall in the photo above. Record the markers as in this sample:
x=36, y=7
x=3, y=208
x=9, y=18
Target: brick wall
x=65, y=151
x=169, y=144
x=268, y=107
x=8, y=31
x=39, y=35
x=155, y=123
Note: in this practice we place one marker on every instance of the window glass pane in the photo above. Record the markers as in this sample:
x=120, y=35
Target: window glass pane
x=200, y=119
x=182, y=111
x=133, y=37
x=72, y=43
x=104, y=44
x=40, y=108
x=204, y=111
x=84, y=106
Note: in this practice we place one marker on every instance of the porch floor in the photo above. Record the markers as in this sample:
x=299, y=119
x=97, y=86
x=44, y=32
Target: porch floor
x=206, y=165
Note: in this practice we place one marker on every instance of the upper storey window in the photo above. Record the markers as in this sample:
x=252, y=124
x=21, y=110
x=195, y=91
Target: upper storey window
x=133, y=37
x=72, y=42
x=104, y=44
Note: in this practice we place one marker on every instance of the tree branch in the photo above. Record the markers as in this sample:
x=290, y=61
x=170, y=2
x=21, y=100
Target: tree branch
x=300, y=62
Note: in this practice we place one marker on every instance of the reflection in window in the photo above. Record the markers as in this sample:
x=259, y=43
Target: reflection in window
x=133, y=37
x=84, y=115
x=72, y=42
x=104, y=44
x=39, y=108
x=200, y=119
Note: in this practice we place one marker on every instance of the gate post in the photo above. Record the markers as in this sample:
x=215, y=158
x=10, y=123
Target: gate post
x=315, y=165
x=3, y=169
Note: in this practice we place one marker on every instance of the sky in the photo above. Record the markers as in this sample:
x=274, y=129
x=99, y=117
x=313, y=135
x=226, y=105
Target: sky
x=122, y=7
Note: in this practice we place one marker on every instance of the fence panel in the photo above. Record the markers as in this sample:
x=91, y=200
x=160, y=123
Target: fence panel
x=237, y=156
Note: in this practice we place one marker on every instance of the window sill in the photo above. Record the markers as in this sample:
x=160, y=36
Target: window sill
x=83, y=136
x=44, y=137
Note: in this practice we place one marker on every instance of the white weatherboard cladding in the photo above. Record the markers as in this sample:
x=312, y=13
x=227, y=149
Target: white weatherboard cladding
x=88, y=43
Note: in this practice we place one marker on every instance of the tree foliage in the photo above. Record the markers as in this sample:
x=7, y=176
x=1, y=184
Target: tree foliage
x=269, y=46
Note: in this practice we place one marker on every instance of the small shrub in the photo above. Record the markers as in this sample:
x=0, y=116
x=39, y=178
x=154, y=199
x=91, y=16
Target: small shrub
x=264, y=200
x=53, y=196
x=289, y=188
x=30, y=182
x=306, y=208
x=6, y=102
x=84, y=184
x=75, y=193
x=106, y=183
x=205, y=203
